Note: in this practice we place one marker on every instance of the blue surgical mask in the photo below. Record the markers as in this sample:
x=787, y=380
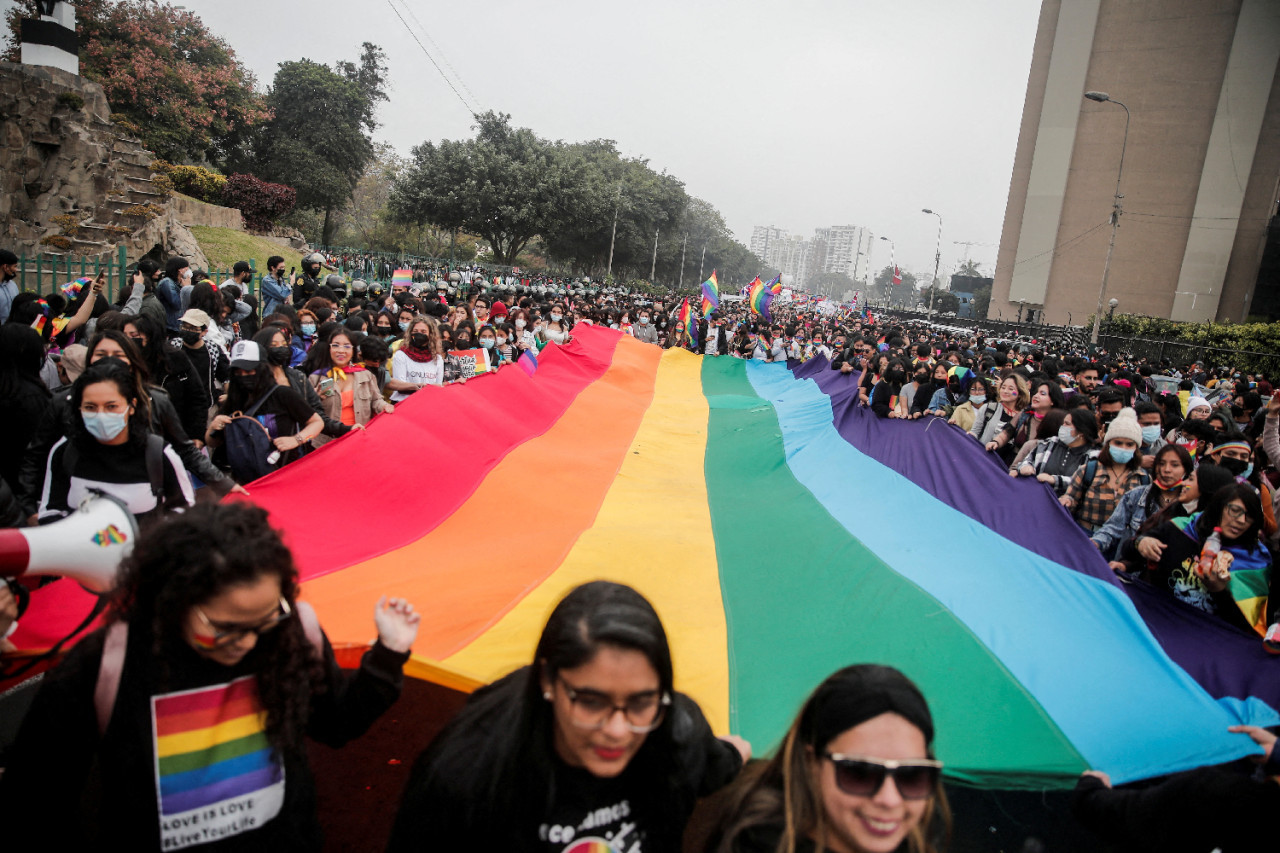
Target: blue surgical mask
x=1066, y=434
x=105, y=426
x=1150, y=434
x=487, y=343
x=1121, y=456
x=977, y=401
x=308, y=329
x=404, y=327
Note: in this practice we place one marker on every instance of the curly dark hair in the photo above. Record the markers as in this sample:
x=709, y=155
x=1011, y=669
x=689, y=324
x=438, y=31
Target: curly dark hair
x=190, y=558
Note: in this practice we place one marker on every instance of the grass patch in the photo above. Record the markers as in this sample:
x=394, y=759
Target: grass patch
x=224, y=246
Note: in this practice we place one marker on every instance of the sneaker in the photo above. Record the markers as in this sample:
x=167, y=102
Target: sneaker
x=1271, y=640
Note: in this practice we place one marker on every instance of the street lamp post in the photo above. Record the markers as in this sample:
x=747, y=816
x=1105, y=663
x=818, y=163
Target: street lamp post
x=937, y=259
x=893, y=266
x=613, y=234
x=1103, y=97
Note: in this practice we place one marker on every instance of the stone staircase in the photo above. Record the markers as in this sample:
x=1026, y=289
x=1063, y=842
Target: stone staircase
x=124, y=206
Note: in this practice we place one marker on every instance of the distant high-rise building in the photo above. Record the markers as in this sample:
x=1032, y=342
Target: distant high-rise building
x=835, y=249
x=842, y=243
x=762, y=239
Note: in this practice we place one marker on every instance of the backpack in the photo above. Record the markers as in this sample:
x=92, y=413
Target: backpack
x=248, y=444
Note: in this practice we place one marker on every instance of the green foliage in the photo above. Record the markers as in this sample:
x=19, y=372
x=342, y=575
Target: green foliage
x=317, y=141
x=1235, y=345
x=832, y=284
x=506, y=185
x=181, y=89
x=943, y=300
x=883, y=287
x=70, y=100
x=196, y=181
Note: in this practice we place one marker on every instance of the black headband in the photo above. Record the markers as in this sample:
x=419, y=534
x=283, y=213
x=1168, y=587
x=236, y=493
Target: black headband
x=857, y=694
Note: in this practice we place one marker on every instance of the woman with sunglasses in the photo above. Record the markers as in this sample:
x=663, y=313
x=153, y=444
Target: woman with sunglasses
x=588, y=743
x=855, y=774
x=184, y=721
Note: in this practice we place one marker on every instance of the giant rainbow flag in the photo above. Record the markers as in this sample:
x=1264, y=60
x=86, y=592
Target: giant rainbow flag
x=782, y=532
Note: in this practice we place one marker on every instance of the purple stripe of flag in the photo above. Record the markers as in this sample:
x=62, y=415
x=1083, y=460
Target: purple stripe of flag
x=226, y=789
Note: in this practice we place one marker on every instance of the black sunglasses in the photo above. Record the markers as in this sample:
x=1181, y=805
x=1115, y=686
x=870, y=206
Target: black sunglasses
x=859, y=776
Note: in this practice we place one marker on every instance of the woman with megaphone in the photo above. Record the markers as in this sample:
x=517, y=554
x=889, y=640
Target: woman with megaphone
x=112, y=450
x=183, y=721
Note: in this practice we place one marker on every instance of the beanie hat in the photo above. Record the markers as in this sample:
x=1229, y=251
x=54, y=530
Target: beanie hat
x=72, y=360
x=858, y=693
x=1125, y=426
x=1195, y=403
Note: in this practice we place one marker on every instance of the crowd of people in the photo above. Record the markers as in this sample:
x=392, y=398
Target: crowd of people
x=185, y=389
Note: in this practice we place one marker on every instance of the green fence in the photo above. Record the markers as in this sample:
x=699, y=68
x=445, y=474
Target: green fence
x=45, y=273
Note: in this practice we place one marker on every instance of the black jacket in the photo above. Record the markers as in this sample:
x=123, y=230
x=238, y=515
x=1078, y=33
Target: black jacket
x=58, y=422
x=107, y=784
x=722, y=348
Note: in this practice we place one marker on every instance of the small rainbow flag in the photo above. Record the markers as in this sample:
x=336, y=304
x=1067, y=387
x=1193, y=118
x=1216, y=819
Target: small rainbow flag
x=528, y=362
x=710, y=295
x=72, y=289
x=402, y=277
x=774, y=284
x=686, y=316
x=39, y=323
x=211, y=746
x=110, y=535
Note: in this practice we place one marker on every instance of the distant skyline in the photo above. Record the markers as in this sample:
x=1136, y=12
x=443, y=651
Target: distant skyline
x=833, y=113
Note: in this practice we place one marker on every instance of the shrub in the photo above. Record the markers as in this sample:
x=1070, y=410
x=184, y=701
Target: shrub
x=196, y=181
x=121, y=121
x=57, y=241
x=70, y=100
x=260, y=203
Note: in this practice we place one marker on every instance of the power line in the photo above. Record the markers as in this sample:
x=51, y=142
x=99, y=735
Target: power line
x=440, y=52
x=1064, y=244
x=433, y=61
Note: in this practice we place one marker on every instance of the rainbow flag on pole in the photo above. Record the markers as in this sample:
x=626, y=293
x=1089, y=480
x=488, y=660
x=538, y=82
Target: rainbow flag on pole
x=774, y=285
x=402, y=277
x=758, y=299
x=686, y=316
x=710, y=295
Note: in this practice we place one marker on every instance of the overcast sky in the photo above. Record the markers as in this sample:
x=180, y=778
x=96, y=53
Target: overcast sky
x=800, y=115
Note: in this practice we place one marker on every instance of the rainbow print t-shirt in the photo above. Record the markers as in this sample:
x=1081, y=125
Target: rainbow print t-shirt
x=216, y=775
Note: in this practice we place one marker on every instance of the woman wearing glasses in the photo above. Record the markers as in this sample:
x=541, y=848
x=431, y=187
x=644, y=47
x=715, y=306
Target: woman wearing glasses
x=1237, y=585
x=183, y=722
x=348, y=392
x=588, y=745
x=855, y=774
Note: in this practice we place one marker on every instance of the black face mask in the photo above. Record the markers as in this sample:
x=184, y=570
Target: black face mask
x=419, y=340
x=189, y=337
x=245, y=381
x=1235, y=466
x=280, y=356
x=922, y=379
x=896, y=376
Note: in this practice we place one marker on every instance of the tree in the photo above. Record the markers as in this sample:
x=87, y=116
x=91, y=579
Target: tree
x=506, y=185
x=832, y=284
x=943, y=300
x=884, y=289
x=317, y=142
x=969, y=268
x=176, y=84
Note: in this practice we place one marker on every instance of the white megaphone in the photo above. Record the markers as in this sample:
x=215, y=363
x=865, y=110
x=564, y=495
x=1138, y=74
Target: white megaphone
x=87, y=545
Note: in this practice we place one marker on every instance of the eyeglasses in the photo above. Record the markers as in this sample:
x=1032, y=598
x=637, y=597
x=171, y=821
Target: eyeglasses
x=227, y=636
x=859, y=776
x=341, y=346
x=642, y=712
x=1234, y=511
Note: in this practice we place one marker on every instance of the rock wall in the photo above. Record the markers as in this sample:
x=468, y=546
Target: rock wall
x=59, y=154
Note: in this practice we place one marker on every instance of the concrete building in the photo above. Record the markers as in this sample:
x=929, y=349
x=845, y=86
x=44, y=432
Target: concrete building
x=1201, y=168
x=762, y=239
x=843, y=243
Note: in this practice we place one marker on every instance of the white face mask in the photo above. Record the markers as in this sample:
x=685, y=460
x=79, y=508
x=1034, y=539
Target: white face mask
x=556, y=318
x=520, y=324
x=501, y=340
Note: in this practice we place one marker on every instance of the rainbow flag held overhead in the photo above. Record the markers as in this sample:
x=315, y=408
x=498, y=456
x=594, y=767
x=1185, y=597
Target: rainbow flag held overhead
x=758, y=299
x=71, y=290
x=710, y=295
x=402, y=277
x=774, y=285
x=1035, y=658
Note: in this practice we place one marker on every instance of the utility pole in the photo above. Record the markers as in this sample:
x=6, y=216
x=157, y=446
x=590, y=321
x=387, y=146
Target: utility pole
x=683, y=245
x=653, y=268
x=614, y=233
x=937, y=260
x=701, y=261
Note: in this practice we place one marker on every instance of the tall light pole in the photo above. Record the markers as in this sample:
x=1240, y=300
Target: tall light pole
x=1103, y=97
x=684, y=245
x=937, y=259
x=654, y=266
x=892, y=251
x=614, y=233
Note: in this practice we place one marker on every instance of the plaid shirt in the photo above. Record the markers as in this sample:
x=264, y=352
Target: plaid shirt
x=1092, y=508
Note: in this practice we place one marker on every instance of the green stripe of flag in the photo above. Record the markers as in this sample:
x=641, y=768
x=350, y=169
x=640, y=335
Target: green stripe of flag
x=202, y=758
x=804, y=598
